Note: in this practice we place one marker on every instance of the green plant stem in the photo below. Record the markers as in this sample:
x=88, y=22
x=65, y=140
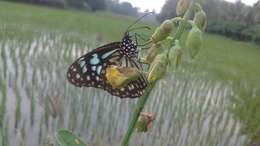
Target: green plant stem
x=142, y=100
x=139, y=107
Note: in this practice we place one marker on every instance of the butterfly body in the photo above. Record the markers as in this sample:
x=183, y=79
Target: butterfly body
x=90, y=69
x=128, y=47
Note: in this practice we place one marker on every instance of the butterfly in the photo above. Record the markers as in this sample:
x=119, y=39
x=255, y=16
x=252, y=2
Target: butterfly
x=89, y=70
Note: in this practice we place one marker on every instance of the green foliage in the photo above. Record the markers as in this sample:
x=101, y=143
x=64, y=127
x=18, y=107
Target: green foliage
x=246, y=109
x=3, y=99
x=124, y=8
x=253, y=33
x=78, y=4
x=67, y=138
x=96, y=4
x=117, y=7
x=233, y=60
x=168, y=10
x=87, y=23
x=230, y=19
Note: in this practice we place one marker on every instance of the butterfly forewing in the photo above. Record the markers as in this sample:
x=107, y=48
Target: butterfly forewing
x=89, y=70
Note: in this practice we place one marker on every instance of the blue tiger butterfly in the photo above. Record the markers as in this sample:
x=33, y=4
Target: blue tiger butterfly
x=89, y=70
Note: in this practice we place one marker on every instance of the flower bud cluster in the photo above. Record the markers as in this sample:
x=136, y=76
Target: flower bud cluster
x=165, y=50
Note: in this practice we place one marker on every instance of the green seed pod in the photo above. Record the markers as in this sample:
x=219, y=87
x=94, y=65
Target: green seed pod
x=194, y=41
x=157, y=68
x=152, y=52
x=200, y=19
x=181, y=7
x=174, y=55
x=162, y=32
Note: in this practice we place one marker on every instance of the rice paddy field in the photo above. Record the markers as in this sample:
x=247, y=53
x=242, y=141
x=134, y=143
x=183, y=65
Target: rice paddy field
x=211, y=101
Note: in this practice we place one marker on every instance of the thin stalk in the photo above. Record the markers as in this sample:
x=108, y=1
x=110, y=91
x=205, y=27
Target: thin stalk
x=142, y=100
x=139, y=107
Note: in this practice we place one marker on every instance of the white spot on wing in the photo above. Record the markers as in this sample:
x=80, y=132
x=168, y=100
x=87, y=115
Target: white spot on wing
x=93, y=68
x=84, y=70
x=82, y=63
x=99, y=69
x=77, y=76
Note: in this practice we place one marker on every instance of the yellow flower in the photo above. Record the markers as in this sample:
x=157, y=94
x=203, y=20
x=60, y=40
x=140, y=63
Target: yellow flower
x=118, y=76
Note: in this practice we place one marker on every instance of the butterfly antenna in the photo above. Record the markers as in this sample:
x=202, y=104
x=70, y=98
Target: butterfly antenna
x=141, y=27
x=136, y=21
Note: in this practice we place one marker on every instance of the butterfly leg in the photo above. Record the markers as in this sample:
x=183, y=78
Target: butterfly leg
x=136, y=42
x=144, y=48
x=126, y=62
x=141, y=27
x=142, y=61
x=142, y=36
x=147, y=41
